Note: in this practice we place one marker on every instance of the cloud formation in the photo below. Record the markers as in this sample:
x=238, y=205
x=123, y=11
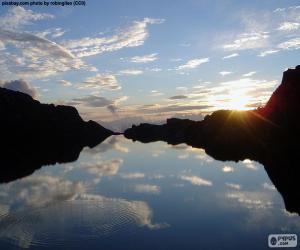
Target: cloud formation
x=194, y=63
x=22, y=86
x=132, y=36
x=34, y=56
x=196, y=180
x=102, y=82
x=230, y=56
x=131, y=72
x=144, y=59
x=18, y=16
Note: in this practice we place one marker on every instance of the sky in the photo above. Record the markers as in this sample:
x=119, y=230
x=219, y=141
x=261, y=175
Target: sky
x=120, y=62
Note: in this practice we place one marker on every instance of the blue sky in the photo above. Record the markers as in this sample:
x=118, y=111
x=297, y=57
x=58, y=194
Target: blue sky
x=149, y=60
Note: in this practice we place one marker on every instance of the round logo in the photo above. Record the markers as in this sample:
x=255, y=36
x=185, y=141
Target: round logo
x=273, y=241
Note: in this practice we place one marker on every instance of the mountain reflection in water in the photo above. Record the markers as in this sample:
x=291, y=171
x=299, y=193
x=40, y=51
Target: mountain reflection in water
x=124, y=195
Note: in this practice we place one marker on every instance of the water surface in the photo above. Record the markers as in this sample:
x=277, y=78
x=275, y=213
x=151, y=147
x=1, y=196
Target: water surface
x=125, y=195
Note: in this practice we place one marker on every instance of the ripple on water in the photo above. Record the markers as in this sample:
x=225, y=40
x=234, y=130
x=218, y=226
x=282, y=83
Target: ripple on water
x=70, y=222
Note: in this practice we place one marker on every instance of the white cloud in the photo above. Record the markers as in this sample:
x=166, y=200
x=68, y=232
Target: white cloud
x=18, y=16
x=293, y=43
x=248, y=41
x=196, y=180
x=131, y=72
x=33, y=56
x=148, y=189
x=194, y=63
x=132, y=36
x=288, y=26
x=230, y=56
x=267, y=52
x=144, y=59
x=251, y=73
x=22, y=86
x=102, y=82
x=227, y=169
x=225, y=73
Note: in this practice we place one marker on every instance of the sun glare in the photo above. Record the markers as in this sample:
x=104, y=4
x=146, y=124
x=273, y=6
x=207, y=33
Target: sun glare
x=237, y=100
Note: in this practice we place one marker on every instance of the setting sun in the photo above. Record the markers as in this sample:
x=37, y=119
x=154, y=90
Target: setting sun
x=237, y=100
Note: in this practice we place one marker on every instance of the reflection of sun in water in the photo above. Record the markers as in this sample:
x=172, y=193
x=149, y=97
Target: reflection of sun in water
x=237, y=100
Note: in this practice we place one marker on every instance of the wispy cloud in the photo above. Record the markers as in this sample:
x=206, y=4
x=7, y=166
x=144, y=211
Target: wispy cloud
x=102, y=82
x=52, y=32
x=288, y=26
x=267, y=52
x=194, y=63
x=230, y=56
x=248, y=41
x=34, y=56
x=132, y=36
x=251, y=73
x=291, y=44
x=131, y=72
x=196, y=180
x=17, y=17
x=225, y=73
x=144, y=59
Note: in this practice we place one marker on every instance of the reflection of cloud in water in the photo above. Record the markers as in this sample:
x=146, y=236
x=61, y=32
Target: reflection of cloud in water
x=103, y=168
x=133, y=175
x=249, y=164
x=157, y=153
x=39, y=191
x=111, y=143
x=227, y=169
x=233, y=185
x=44, y=210
x=147, y=189
x=252, y=200
x=183, y=156
x=268, y=186
x=196, y=180
x=198, y=152
x=261, y=211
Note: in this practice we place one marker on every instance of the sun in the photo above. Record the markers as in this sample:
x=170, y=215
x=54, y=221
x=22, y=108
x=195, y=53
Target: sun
x=237, y=100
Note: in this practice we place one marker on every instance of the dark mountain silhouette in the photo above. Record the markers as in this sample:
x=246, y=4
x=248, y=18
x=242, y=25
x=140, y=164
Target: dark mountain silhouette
x=35, y=134
x=269, y=135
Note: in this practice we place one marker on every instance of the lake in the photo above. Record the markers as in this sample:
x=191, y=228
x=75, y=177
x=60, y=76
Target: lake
x=128, y=195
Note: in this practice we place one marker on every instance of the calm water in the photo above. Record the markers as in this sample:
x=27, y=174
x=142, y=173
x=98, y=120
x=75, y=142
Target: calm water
x=125, y=195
